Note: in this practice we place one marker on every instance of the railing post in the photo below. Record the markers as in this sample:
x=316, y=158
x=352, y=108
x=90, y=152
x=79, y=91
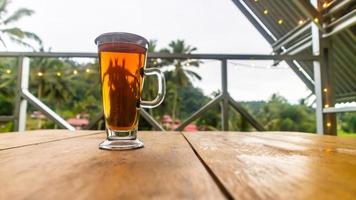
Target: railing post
x=23, y=73
x=325, y=123
x=225, y=97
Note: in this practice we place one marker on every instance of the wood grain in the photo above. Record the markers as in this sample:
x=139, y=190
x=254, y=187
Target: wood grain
x=166, y=168
x=279, y=165
x=19, y=139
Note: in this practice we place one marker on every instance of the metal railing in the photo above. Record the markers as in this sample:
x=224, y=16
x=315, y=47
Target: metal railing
x=23, y=96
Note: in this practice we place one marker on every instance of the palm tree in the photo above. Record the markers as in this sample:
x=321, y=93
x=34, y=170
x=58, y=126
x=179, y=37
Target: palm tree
x=182, y=73
x=50, y=80
x=13, y=33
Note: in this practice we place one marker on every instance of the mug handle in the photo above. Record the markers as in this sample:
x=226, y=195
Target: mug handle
x=161, y=88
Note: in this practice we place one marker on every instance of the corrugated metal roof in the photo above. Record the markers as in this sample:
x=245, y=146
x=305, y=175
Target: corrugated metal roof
x=280, y=17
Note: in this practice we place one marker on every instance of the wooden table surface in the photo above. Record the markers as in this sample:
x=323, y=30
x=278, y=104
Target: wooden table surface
x=58, y=164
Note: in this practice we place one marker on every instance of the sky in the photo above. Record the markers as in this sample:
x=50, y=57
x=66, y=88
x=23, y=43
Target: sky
x=213, y=26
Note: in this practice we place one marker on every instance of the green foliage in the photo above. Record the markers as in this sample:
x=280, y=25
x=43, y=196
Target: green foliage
x=8, y=70
x=278, y=114
x=348, y=122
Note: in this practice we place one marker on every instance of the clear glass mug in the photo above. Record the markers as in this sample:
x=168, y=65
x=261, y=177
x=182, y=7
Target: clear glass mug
x=122, y=59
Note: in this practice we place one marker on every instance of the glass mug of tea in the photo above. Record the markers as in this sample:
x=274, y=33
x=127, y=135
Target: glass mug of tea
x=122, y=58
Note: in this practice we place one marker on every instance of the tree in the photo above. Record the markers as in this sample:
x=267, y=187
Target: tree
x=348, y=122
x=182, y=72
x=50, y=80
x=278, y=115
x=14, y=33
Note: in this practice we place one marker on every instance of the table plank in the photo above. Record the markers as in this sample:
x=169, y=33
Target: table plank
x=307, y=138
x=295, y=166
x=166, y=168
x=19, y=139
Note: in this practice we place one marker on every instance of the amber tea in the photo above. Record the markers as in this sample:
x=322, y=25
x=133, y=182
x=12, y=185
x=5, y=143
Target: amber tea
x=121, y=79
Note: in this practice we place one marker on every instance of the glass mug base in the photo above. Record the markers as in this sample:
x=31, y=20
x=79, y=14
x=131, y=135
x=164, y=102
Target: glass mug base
x=121, y=140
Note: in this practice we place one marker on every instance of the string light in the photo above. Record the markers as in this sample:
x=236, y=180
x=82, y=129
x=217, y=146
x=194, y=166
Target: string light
x=326, y=106
x=75, y=72
x=255, y=66
x=39, y=74
x=300, y=22
x=87, y=70
x=265, y=12
x=280, y=21
x=256, y=0
x=325, y=5
x=328, y=124
x=8, y=71
x=316, y=20
x=325, y=89
x=59, y=74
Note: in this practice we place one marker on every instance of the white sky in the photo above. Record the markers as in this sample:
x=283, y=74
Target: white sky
x=213, y=26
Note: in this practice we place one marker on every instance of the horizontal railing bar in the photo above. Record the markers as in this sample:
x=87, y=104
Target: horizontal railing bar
x=294, y=33
x=233, y=56
x=49, y=54
x=300, y=46
x=167, y=56
x=336, y=7
x=342, y=23
x=337, y=110
x=6, y=118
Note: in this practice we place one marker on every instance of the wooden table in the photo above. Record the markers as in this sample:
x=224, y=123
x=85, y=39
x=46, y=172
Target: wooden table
x=58, y=164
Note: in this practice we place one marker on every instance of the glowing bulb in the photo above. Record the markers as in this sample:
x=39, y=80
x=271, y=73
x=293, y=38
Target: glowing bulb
x=256, y=0
x=325, y=5
x=87, y=70
x=39, y=74
x=280, y=21
x=328, y=124
x=300, y=22
x=326, y=106
x=8, y=71
x=59, y=74
x=265, y=12
x=325, y=89
x=75, y=72
x=316, y=20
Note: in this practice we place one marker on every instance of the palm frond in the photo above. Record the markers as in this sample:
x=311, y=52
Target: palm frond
x=194, y=63
x=33, y=36
x=3, y=4
x=2, y=41
x=5, y=83
x=17, y=32
x=18, y=14
x=20, y=42
x=152, y=46
x=193, y=74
